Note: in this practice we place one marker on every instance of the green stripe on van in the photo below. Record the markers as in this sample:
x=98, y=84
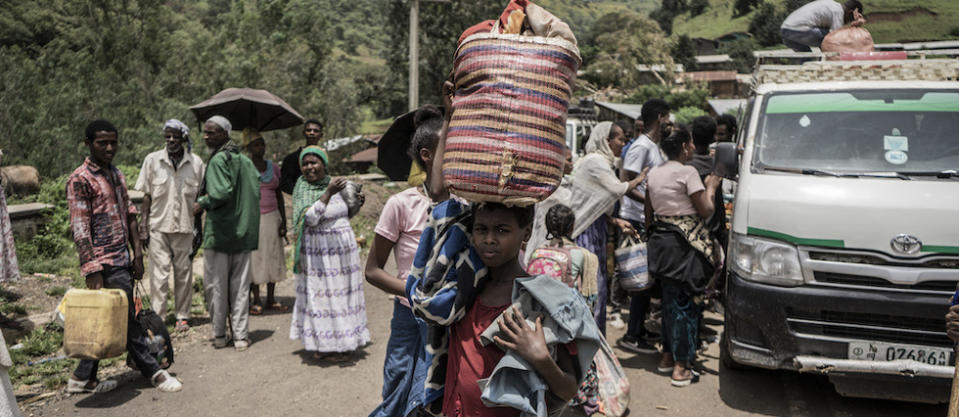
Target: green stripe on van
x=828, y=102
x=940, y=249
x=830, y=243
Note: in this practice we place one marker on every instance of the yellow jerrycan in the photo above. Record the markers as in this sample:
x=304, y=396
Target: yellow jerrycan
x=95, y=323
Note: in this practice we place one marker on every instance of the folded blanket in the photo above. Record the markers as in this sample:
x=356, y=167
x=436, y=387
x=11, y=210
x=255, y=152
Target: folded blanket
x=566, y=319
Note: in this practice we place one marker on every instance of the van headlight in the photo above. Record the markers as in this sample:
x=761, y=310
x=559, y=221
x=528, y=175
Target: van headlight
x=765, y=260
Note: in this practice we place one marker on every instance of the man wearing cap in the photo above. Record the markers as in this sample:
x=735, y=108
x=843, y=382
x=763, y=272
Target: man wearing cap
x=170, y=180
x=231, y=232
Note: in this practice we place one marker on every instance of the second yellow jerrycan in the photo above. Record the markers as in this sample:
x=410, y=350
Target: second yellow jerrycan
x=95, y=323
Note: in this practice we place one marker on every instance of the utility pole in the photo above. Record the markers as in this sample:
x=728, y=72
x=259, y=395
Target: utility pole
x=414, y=93
x=414, y=54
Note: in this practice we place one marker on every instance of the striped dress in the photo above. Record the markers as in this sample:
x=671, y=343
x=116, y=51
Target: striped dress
x=330, y=312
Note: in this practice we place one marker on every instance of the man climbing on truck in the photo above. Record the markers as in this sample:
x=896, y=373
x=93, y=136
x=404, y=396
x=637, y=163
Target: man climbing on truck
x=808, y=25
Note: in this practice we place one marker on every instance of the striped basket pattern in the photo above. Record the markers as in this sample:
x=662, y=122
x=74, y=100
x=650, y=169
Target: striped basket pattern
x=507, y=131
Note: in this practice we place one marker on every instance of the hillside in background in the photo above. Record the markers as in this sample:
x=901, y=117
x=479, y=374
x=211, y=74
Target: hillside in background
x=580, y=14
x=888, y=20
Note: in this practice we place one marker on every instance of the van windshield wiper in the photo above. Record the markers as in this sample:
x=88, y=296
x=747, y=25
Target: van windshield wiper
x=822, y=172
x=946, y=173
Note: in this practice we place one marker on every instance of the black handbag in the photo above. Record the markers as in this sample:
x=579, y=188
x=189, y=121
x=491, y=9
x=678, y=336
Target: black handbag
x=155, y=332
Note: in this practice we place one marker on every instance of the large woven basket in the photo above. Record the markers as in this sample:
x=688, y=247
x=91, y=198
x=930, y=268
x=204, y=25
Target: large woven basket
x=507, y=131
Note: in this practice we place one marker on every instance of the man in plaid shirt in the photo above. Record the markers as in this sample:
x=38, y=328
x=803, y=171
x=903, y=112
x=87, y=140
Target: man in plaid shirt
x=104, y=222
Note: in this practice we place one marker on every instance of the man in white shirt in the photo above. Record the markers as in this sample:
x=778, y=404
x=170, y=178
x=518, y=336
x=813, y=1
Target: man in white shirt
x=170, y=179
x=644, y=153
x=808, y=25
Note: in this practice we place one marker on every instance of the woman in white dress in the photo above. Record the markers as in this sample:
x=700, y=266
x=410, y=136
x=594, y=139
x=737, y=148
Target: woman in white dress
x=330, y=312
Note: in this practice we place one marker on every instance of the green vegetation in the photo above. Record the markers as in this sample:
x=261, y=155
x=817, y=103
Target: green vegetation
x=13, y=308
x=888, y=20
x=685, y=115
x=56, y=291
x=40, y=343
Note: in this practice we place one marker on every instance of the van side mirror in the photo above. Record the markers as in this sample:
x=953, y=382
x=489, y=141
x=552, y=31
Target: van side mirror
x=727, y=160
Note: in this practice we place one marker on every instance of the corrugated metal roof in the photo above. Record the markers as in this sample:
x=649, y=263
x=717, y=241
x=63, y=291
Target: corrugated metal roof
x=629, y=110
x=723, y=106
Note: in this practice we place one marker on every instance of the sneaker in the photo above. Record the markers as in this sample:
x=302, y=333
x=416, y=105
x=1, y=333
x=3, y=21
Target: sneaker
x=635, y=346
x=220, y=342
x=241, y=345
x=79, y=387
x=169, y=384
x=182, y=326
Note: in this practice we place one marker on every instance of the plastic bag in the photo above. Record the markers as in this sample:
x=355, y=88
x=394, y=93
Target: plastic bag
x=848, y=39
x=351, y=195
x=631, y=265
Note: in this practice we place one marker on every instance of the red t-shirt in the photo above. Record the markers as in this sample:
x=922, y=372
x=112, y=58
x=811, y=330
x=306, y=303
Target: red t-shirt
x=468, y=362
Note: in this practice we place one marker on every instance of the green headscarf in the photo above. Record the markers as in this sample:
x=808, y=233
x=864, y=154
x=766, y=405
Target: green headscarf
x=305, y=194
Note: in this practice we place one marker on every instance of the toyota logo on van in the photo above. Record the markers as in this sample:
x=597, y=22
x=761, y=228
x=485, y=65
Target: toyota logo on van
x=907, y=244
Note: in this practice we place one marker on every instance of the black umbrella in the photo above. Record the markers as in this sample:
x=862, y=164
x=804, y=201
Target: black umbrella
x=391, y=154
x=248, y=107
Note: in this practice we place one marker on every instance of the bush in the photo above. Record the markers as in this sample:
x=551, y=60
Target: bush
x=741, y=52
x=743, y=7
x=765, y=24
x=49, y=251
x=685, y=115
x=694, y=96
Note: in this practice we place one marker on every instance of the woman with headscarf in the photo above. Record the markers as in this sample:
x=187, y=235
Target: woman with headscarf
x=266, y=269
x=330, y=314
x=681, y=253
x=596, y=188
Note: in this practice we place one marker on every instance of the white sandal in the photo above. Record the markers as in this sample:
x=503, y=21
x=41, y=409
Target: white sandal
x=169, y=384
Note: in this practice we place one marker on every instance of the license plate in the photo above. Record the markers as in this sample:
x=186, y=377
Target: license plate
x=880, y=351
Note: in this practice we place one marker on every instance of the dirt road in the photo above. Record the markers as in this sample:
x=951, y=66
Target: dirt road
x=275, y=377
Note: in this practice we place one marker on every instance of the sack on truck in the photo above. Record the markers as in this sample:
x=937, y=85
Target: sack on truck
x=848, y=39
x=513, y=79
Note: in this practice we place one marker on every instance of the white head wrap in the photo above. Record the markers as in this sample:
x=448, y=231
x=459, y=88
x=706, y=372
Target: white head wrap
x=184, y=130
x=599, y=141
x=222, y=122
x=595, y=185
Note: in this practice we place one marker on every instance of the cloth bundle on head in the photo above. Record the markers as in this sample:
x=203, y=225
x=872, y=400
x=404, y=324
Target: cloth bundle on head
x=306, y=193
x=222, y=122
x=250, y=135
x=184, y=130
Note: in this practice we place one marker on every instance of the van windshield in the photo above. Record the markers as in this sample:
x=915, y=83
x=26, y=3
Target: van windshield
x=860, y=131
